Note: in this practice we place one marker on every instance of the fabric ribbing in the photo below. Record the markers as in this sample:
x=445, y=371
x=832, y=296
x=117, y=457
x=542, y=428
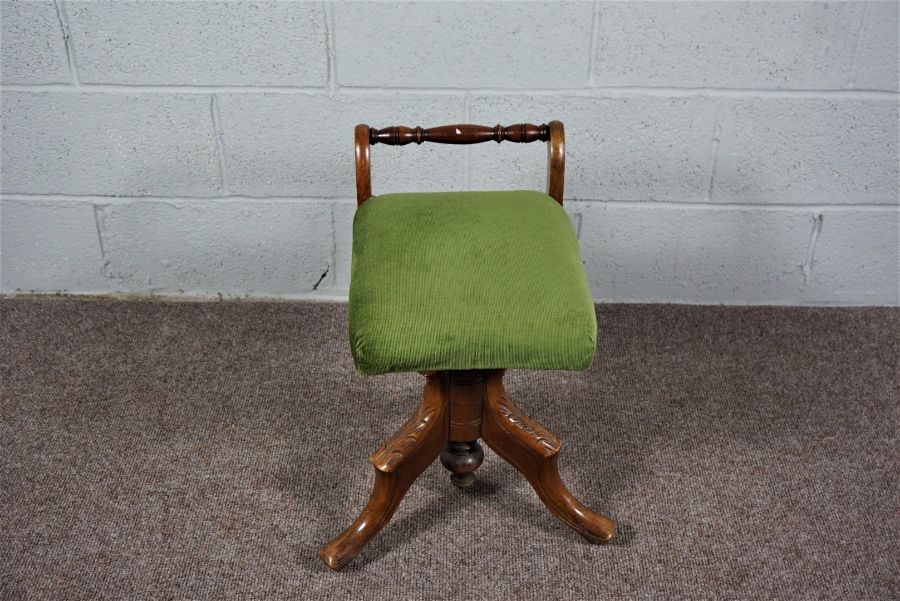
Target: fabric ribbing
x=468, y=280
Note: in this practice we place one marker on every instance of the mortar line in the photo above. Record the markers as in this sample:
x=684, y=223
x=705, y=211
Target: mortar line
x=577, y=218
x=125, y=88
x=595, y=33
x=467, y=165
x=807, y=266
x=714, y=151
x=26, y=198
x=219, y=136
x=96, y=209
x=98, y=224
x=331, y=54
x=586, y=92
x=736, y=206
x=334, y=265
x=860, y=38
x=63, y=19
x=616, y=91
x=183, y=296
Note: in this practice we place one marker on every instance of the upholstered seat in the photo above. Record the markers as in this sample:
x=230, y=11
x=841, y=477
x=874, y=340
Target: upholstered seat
x=461, y=286
x=468, y=280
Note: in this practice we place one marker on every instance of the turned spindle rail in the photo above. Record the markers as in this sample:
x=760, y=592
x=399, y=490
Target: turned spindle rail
x=399, y=135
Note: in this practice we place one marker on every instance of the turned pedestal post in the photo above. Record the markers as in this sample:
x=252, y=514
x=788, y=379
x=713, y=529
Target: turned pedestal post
x=463, y=455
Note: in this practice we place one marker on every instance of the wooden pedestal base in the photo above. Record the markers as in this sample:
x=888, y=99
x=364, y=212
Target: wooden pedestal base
x=458, y=408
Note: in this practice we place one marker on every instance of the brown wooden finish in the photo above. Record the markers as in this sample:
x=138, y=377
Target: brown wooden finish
x=466, y=393
x=463, y=133
x=363, y=165
x=463, y=455
x=534, y=451
x=527, y=445
x=462, y=458
x=398, y=135
x=397, y=464
x=556, y=161
x=459, y=407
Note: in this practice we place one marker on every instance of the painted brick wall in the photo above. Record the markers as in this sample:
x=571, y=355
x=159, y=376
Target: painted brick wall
x=718, y=152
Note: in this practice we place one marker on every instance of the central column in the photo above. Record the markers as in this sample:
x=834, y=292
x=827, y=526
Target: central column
x=462, y=455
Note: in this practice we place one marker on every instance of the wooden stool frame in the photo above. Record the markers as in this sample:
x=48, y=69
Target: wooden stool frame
x=460, y=407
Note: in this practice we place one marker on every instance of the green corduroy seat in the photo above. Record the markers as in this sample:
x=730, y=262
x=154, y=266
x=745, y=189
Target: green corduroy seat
x=468, y=280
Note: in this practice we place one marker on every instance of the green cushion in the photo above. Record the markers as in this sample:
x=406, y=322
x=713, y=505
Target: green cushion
x=468, y=280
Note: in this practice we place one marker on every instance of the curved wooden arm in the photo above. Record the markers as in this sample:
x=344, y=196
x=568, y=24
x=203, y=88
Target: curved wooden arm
x=363, y=166
x=400, y=135
x=556, y=161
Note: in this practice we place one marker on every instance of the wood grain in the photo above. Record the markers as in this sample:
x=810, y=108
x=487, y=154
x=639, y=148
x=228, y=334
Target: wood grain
x=534, y=451
x=556, y=161
x=397, y=465
x=464, y=133
x=448, y=398
x=363, y=165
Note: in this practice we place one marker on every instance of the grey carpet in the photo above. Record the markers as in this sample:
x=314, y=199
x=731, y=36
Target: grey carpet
x=205, y=450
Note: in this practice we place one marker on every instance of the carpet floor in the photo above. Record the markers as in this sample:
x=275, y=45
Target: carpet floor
x=153, y=450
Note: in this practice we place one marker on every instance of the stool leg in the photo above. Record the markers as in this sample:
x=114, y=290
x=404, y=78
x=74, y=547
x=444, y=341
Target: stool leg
x=534, y=451
x=397, y=464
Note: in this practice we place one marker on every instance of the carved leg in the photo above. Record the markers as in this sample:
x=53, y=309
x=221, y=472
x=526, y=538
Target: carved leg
x=397, y=464
x=533, y=450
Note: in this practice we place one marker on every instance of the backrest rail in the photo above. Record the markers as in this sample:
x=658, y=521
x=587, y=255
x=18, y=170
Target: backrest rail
x=399, y=135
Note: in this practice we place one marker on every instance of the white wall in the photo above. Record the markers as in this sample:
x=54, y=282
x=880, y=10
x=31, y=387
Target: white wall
x=717, y=152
